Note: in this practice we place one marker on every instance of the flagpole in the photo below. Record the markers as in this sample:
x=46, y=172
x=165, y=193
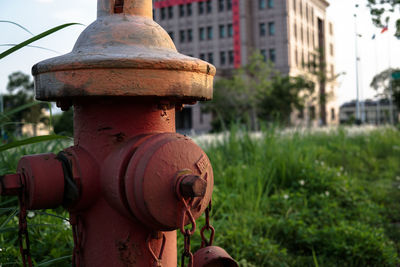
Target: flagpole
x=357, y=78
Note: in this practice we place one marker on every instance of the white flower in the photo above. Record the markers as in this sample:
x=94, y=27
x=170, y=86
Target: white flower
x=338, y=174
x=398, y=178
x=1, y=249
x=285, y=196
x=322, y=163
x=30, y=214
x=301, y=182
x=341, y=168
x=327, y=193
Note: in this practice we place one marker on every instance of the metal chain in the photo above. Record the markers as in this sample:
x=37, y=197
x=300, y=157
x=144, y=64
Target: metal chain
x=208, y=227
x=187, y=233
x=77, y=235
x=157, y=260
x=23, y=236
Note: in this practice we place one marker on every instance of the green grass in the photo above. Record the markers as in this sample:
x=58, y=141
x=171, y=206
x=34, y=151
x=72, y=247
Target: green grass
x=320, y=199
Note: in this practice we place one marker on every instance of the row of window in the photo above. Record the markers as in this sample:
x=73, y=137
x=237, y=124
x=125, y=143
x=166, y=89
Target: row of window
x=263, y=29
x=271, y=54
x=262, y=4
x=202, y=8
x=225, y=58
x=205, y=33
x=309, y=11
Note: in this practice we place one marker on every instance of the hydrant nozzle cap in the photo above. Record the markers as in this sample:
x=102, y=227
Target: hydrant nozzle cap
x=124, y=53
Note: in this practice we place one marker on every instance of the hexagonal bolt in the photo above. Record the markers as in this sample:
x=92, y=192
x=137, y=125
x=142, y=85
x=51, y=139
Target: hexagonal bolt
x=192, y=186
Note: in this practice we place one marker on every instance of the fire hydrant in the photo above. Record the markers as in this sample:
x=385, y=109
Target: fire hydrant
x=130, y=180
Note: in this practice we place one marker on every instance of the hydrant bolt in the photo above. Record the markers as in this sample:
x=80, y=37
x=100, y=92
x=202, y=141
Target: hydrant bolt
x=192, y=186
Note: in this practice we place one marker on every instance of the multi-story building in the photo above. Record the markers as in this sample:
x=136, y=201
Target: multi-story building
x=290, y=33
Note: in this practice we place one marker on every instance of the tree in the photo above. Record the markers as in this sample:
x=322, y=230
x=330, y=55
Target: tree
x=380, y=11
x=20, y=93
x=256, y=92
x=386, y=86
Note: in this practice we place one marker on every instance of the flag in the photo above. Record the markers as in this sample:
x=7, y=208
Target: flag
x=384, y=29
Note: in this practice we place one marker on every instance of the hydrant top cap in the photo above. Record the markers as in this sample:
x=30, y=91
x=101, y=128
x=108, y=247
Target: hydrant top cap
x=122, y=54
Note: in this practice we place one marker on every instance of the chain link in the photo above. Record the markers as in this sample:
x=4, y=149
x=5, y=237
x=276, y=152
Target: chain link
x=157, y=260
x=208, y=227
x=23, y=236
x=187, y=233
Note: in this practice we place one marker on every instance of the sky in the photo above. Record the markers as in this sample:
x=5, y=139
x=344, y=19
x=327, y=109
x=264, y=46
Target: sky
x=40, y=15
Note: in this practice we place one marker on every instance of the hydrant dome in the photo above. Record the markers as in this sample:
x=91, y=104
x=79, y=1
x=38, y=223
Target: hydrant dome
x=124, y=55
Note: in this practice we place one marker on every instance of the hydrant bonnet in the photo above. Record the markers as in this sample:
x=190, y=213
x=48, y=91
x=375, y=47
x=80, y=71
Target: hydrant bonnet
x=124, y=54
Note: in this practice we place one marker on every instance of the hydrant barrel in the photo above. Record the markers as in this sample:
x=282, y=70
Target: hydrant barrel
x=133, y=173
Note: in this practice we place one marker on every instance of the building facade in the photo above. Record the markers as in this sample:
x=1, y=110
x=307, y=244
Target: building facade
x=290, y=33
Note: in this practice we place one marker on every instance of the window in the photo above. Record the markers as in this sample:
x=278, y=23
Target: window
x=271, y=28
x=270, y=3
x=211, y=58
x=209, y=6
x=181, y=36
x=296, y=57
x=261, y=4
x=163, y=13
x=221, y=31
x=170, y=12
x=272, y=55
x=301, y=8
x=295, y=30
x=190, y=35
x=330, y=28
x=209, y=33
x=201, y=7
x=331, y=49
x=189, y=9
x=303, y=63
x=154, y=14
x=301, y=34
x=230, y=30
x=312, y=112
x=231, y=57
x=306, y=11
x=229, y=4
x=222, y=58
x=294, y=5
x=202, y=56
x=221, y=5
x=264, y=54
x=171, y=34
x=332, y=71
x=262, y=29
x=333, y=115
x=202, y=34
x=181, y=10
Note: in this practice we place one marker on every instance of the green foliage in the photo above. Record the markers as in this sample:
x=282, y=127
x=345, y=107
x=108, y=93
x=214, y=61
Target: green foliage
x=386, y=86
x=380, y=11
x=256, y=92
x=301, y=199
x=63, y=123
x=20, y=106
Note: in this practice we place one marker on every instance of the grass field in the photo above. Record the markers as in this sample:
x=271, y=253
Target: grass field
x=293, y=199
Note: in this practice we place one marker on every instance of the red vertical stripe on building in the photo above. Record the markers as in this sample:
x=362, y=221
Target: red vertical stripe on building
x=236, y=33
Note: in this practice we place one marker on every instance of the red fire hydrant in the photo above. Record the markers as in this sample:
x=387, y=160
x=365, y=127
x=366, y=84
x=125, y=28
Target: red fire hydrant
x=129, y=180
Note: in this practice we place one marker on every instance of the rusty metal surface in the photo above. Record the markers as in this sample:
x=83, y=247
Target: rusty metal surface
x=42, y=172
x=124, y=54
x=213, y=256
